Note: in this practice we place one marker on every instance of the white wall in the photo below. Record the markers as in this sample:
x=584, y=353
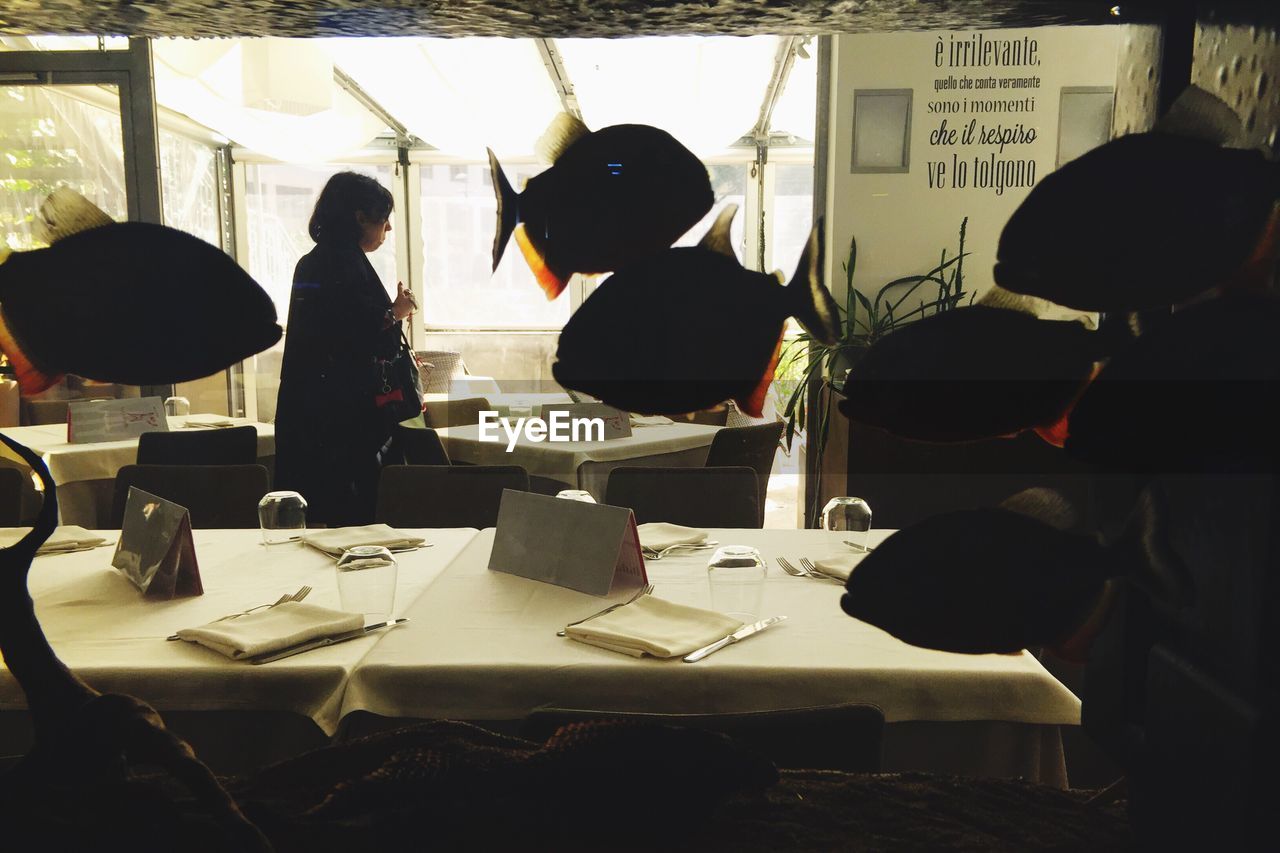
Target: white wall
x=901, y=222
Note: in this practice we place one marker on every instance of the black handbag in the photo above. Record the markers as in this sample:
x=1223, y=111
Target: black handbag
x=398, y=385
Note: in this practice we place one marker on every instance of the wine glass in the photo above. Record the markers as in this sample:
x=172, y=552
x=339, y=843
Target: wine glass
x=283, y=517
x=736, y=574
x=176, y=407
x=851, y=515
x=367, y=582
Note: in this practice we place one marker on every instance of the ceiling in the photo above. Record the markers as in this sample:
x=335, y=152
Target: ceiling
x=549, y=18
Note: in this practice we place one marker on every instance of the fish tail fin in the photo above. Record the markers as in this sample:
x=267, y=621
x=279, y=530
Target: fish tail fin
x=811, y=302
x=66, y=212
x=508, y=207
x=551, y=282
x=1057, y=431
x=32, y=378
x=1199, y=114
x=564, y=130
x=753, y=403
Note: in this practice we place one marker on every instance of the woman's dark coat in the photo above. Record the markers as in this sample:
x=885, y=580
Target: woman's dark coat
x=328, y=433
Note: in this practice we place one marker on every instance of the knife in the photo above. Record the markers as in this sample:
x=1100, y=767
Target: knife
x=740, y=634
x=324, y=641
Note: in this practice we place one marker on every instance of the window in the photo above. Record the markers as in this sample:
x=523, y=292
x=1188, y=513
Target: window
x=189, y=183
x=461, y=289
x=729, y=184
x=278, y=200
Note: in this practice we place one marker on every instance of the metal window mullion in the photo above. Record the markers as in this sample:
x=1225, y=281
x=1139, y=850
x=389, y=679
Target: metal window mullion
x=240, y=229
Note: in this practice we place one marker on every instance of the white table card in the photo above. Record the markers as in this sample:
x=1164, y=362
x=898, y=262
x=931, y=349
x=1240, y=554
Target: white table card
x=590, y=548
x=617, y=423
x=113, y=420
x=156, y=550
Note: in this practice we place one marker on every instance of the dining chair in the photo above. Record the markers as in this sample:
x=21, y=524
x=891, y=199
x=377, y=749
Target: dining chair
x=753, y=446
x=217, y=496
x=11, y=482
x=421, y=446
x=845, y=737
x=696, y=497
x=445, y=365
x=223, y=446
x=447, y=413
x=445, y=495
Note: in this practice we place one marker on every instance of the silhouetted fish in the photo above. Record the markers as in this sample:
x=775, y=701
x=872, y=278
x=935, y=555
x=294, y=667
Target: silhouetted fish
x=611, y=197
x=1144, y=221
x=687, y=328
x=971, y=373
x=1194, y=394
x=130, y=302
x=1002, y=579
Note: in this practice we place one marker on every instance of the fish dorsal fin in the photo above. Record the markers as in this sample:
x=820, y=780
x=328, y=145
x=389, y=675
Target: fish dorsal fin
x=66, y=212
x=1044, y=505
x=1197, y=114
x=564, y=130
x=717, y=239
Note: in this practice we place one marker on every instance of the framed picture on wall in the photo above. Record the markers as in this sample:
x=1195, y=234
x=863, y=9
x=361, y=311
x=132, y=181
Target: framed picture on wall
x=881, y=130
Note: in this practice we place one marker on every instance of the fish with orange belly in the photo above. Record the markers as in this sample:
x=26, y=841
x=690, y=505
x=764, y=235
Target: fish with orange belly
x=690, y=327
x=107, y=301
x=611, y=197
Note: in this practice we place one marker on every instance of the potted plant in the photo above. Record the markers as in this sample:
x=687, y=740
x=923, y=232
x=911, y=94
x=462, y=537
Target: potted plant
x=863, y=321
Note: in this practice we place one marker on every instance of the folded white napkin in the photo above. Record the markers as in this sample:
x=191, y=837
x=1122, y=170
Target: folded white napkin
x=656, y=535
x=655, y=627
x=67, y=537
x=839, y=566
x=650, y=420
x=339, y=539
x=202, y=420
x=272, y=629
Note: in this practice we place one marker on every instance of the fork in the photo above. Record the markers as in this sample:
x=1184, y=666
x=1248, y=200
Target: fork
x=814, y=571
x=792, y=570
x=302, y=593
x=647, y=589
x=651, y=554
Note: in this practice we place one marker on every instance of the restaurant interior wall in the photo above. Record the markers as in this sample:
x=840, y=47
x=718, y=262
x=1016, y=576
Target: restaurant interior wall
x=901, y=220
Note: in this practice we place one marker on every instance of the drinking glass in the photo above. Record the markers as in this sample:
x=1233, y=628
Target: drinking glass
x=283, y=517
x=576, y=495
x=176, y=407
x=851, y=515
x=367, y=582
x=736, y=574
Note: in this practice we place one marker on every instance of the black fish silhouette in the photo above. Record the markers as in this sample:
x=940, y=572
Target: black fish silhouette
x=1002, y=579
x=1147, y=220
x=687, y=328
x=1195, y=394
x=972, y=373
x=611, y=197
x=128, y=302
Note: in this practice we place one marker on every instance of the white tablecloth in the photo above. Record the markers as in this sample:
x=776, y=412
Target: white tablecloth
x=84, y=472
x=483, y=645
x=584, y=464
x=113, y=638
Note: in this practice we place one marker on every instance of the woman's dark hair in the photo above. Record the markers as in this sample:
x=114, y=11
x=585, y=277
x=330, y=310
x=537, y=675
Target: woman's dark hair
x=334, y=219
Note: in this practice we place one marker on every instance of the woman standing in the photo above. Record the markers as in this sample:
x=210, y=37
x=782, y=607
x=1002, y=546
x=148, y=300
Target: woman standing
x=330, y=442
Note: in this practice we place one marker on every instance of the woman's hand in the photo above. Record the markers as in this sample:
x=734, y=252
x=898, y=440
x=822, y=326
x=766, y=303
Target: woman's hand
x=404, y=305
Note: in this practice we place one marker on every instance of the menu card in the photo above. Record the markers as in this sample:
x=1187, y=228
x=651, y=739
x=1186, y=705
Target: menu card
x=590, y=548
x=113, y=420
x=617, y=423
x=156, y=550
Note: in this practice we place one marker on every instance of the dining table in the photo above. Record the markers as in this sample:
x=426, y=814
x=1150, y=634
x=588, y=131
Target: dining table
x=657, y=442
x=85, y=473
x=482, y=645
x=236, y=713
